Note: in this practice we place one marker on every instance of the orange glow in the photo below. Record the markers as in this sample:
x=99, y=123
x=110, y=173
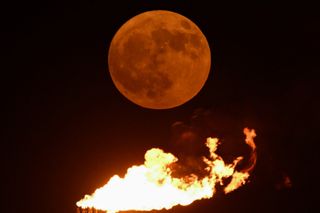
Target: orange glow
x=151, y=186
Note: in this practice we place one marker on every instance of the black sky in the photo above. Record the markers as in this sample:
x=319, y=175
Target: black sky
x=67, y=128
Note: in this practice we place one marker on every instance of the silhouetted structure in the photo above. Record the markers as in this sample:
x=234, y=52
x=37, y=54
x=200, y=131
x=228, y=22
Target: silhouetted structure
x=89, y=210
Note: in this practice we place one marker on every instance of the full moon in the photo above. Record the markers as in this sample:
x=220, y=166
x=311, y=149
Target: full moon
x=159, y=59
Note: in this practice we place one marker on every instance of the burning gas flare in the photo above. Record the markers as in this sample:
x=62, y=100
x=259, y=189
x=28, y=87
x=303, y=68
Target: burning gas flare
x=151, y=186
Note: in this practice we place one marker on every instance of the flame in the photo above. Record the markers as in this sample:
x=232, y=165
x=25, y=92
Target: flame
x=151, y=186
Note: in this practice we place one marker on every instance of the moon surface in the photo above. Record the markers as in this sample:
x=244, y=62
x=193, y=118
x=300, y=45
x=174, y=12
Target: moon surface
x=159, y=59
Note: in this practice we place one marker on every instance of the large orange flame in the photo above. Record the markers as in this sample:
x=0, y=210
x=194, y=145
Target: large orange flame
x=151, y=186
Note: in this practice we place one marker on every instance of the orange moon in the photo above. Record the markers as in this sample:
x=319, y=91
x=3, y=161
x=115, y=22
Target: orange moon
x=159, y=59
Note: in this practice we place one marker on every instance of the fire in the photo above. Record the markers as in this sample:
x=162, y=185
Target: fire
x=151, y=186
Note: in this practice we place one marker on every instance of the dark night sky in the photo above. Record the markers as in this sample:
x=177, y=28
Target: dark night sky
x=68, y=129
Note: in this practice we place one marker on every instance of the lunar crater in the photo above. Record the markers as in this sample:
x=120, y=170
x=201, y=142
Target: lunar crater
x=185, y=24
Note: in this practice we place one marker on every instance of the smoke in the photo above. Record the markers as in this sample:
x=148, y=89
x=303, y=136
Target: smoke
x=188, y=138
x=188, y=146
